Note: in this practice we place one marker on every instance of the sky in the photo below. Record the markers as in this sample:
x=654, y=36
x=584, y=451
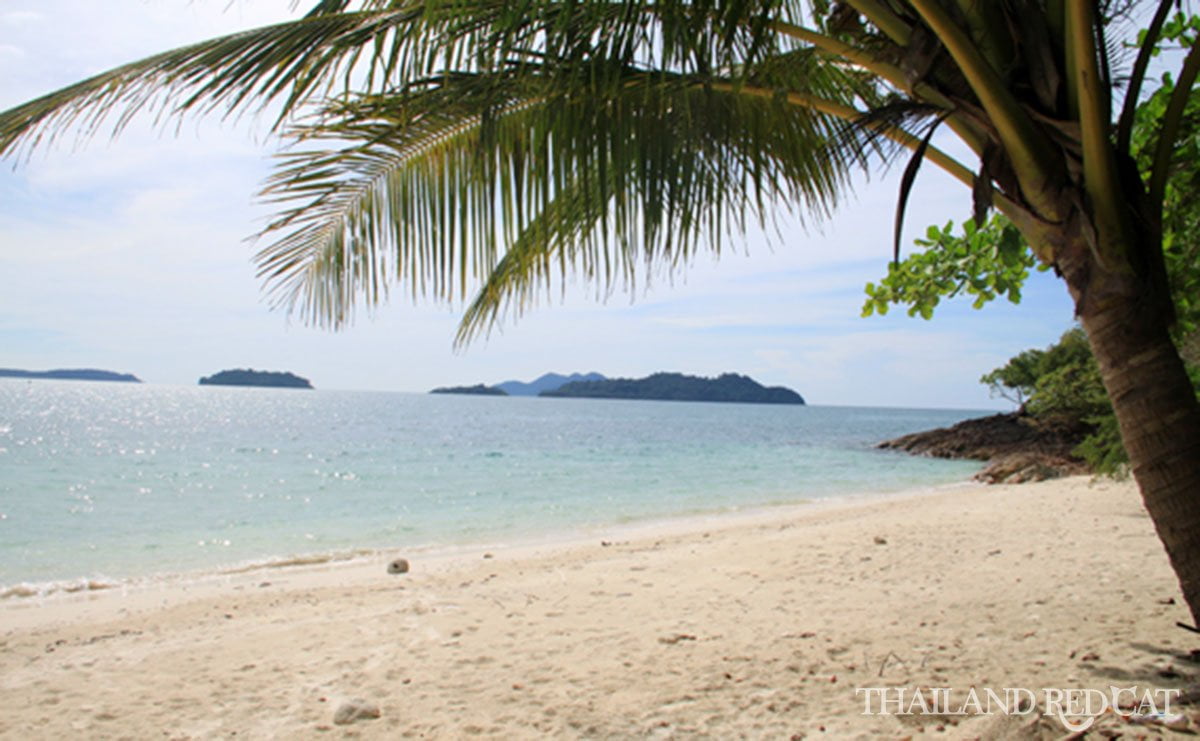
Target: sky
x=134, y=255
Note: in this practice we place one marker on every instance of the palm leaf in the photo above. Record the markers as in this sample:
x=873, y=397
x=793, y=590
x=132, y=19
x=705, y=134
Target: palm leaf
x=435, y=135
x=529, y=262
x=409, y=196
x=382, y=46
x=906, y=184
x=290, y=60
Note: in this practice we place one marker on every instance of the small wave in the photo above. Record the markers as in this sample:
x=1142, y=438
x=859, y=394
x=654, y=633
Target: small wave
x=45, y=589
x=26, y=590
x=311, y=559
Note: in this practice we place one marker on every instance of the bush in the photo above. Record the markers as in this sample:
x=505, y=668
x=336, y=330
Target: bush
x=1062, y=384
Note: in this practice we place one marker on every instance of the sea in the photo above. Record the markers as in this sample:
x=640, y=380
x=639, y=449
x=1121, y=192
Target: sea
x=105, y=484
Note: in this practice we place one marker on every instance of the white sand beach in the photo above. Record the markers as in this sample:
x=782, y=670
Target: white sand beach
x=756, y=626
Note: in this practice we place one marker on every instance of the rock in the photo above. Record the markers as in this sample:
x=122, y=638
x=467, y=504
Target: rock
x=355, y=709
x=398, y=566
x=1018, y=447
x=1019, y=468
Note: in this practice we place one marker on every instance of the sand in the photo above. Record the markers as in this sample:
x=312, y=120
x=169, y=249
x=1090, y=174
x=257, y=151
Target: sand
x=754, y=626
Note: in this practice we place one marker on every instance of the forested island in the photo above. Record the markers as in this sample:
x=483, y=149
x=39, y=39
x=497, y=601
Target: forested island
x=477, y=390
x=74, y=374
x=729, y=387
x=547, y=382
x=248, y=377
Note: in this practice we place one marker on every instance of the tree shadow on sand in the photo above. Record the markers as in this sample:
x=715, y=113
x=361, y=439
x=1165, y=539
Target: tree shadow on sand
x=1162, y=666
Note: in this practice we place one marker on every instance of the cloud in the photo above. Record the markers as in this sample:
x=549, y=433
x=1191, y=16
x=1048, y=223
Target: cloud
x=20, y=17
x=927, y=368
x=710, y=322
x=130, y=255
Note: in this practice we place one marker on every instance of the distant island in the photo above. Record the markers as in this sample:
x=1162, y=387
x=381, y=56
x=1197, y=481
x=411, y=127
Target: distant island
x=247, y=377
x=729, y=387
x=77, y=374
x=476, y=390
x=547, y=382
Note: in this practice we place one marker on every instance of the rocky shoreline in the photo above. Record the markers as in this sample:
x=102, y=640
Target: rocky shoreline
x=1017, y=447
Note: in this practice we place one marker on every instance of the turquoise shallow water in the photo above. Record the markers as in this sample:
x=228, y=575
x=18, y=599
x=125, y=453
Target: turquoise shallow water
x=114, y=481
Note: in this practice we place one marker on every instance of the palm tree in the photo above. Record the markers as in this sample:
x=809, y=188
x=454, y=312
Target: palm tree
x=484, y=147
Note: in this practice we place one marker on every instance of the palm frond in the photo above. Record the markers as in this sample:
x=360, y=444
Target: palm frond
x=388, y=45
x=445, y=143
x=289, y=60
x=537, y=255
x=608, y=181
x=873, y=132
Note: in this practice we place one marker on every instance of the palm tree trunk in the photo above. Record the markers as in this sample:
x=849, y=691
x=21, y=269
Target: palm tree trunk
x=1155, y=405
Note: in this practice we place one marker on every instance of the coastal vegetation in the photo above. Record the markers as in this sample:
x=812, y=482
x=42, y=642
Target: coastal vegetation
x=473, y=150
x=249, y=377
x=728, y=387
x=1060, y=386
